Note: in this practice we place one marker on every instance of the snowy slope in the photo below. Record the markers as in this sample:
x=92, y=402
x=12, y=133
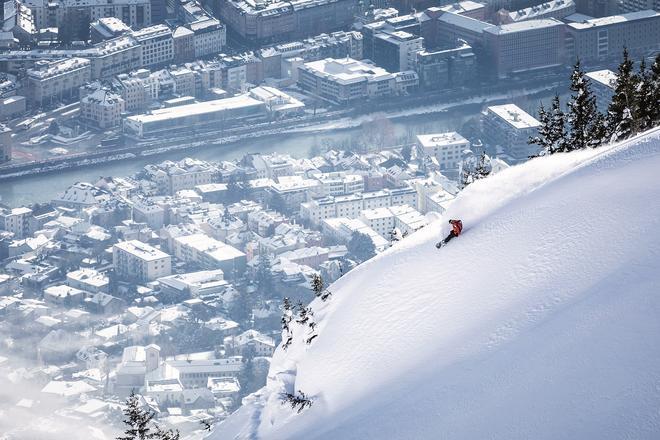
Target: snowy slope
x=542, y=321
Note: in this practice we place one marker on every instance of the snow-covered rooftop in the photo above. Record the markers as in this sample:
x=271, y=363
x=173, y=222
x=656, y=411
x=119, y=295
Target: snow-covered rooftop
x=514, y=116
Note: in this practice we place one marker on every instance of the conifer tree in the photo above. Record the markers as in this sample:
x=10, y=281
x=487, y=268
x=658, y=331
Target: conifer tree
x=654, y=90
x=140, y=424
x=644, y=98
x=586, y=126
x=542, y=139
x=622, y=110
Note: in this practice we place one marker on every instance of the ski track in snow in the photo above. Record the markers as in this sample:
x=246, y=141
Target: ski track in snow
x=540, y=321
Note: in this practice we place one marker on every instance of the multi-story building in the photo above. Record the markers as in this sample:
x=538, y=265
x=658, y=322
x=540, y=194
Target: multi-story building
x=195, y=373
x=511, y=127
x=184, y=44
x=410, y=24
x=452, y=27
x=116, y=56
x=599, y=39
x=396, y=51
x=157, y=44
x=210, y=36
x=525, y=45
x=106, y=28
x=138, y=89
x=626, y=6
x=602, y=84
x=139, y=261
x=102, y=108
x=16, y=221
x=58, y=13
x=350, y=206
x=5, y=143
x=553, y=9
x=56, y=80
x=447, y=148
x=340, y=183
x=468, y=8
x=446, y=68
x=272, y=21
x=346, y=80
x=210, y=253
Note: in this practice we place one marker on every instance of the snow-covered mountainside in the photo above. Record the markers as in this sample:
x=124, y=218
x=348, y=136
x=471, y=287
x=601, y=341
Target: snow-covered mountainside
x=541, y=321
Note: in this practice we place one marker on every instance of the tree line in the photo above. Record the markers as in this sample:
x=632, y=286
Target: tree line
x=635, y=107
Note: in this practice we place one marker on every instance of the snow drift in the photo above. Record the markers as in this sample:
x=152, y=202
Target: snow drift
x=541, y=321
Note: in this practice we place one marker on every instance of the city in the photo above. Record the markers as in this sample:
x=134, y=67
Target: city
x=182, y=181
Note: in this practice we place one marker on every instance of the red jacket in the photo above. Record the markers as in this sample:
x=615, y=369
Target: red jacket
x=456, y=227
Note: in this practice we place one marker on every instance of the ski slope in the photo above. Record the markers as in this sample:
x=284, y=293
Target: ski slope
x=542, y=321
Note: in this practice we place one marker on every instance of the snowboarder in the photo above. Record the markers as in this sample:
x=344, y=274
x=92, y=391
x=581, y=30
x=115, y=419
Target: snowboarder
x=456, y=228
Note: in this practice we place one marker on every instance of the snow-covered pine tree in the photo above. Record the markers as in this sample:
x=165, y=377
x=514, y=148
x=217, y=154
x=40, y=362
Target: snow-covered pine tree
x=317, y=285
x=621, y=123
x=645, y=104
x=483, y=167
x=542, y=139
x=557, y=134
x=137, y=419
x=287, y=314
x=655, y=92
x=140, y=423
x=298, y=401
x=583, y=117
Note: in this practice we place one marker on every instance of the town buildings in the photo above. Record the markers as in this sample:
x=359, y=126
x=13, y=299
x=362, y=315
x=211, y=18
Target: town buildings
x=57, y=80
x=346, y=80
x=511, y=127
x=59, y=13
x=447, y=148
x=5, y=143
x=157, y=45
x=115, y=56
x=599, y=39
x=525, y=45
x=102, y=108
x=139, y=261
x=258, y=23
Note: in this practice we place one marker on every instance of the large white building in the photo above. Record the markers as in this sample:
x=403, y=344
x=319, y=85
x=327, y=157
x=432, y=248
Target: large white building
x=405, y=218
x=340, y=183
x=447, y=148
x=16, y=221
x=350, y=206
x=210, y=37
x=510, y=127
x=210, y=254
x=115, y=56
x=140, y=261
x=346, y=80
x=157, y=45
x=54, y=80
x=102, y=108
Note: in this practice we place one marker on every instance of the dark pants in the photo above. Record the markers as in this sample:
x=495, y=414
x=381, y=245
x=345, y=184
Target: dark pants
x=449, y=237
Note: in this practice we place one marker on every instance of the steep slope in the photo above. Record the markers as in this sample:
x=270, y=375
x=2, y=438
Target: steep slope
x=541, y=321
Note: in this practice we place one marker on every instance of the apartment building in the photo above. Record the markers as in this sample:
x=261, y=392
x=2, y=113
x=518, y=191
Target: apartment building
x=602, y=85
x=511, y=127
x=102, y=108
x=49, y=81
x=16, y=221
x=157, y=45
x=446, y=68
x=272, y=21
x=600, y=39
x=447, y=148
x=396, y=51
x=115, y=56
x=350, y=206
x=210, y=254
x=56, y=13
x=525, y=45
x=134, y=260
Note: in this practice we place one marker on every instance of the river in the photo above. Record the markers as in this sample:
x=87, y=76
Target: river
x=44, y=187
